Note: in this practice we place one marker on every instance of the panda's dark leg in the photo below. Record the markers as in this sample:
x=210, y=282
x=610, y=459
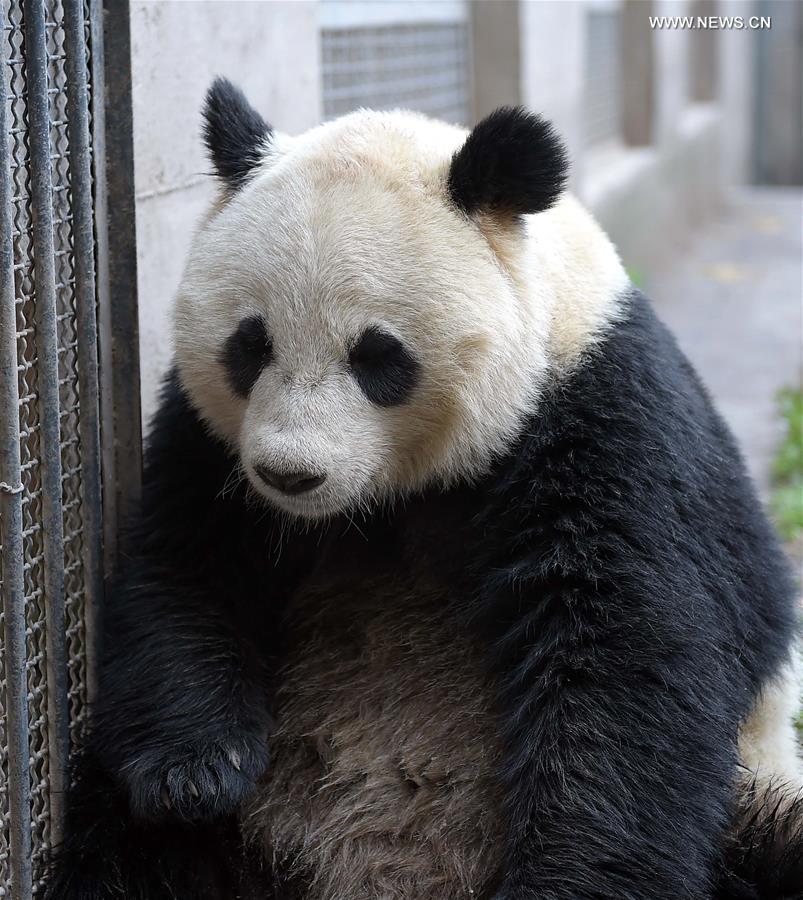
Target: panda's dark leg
x=107, y=854
x=609, y=796
x=618, y=728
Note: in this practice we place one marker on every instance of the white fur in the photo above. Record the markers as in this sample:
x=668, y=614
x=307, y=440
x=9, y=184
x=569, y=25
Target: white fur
x=348, y=226
x=768, y=742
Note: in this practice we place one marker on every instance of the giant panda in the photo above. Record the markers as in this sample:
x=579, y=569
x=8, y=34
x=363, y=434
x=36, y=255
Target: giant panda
x=448, y=580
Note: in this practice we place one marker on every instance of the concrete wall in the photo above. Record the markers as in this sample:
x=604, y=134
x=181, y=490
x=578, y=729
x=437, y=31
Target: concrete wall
x=648, y=198
x=496, y=25
x=553, y=69
x=736, y=86
x=271, y=50
x=778, y=148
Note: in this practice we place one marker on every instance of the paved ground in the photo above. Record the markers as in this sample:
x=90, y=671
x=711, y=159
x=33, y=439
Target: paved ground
x=734, y=299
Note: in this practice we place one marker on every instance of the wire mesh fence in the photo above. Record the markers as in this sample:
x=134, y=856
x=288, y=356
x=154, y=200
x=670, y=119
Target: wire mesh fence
x=424, y=66
x=50, y=537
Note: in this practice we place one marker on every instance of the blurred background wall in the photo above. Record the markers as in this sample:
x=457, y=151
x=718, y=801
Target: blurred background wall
x=663, y=123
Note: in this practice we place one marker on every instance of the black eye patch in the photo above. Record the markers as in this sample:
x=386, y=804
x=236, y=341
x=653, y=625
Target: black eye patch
x=245, y=354
x=384, y=368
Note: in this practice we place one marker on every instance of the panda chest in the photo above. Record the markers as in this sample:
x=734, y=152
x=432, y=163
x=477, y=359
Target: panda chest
x=382, y=778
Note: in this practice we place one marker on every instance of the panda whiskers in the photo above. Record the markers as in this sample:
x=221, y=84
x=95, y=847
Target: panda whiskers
x=286, y=526
x=355, y=526
x=234, y=479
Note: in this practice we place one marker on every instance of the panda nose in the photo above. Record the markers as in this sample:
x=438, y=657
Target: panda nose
x=289, y=482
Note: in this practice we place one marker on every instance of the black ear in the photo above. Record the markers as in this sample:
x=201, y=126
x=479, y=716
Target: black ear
x=235, y=134
x=512, y=162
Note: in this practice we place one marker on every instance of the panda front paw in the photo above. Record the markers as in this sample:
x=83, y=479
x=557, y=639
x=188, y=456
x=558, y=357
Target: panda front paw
x=199, y=781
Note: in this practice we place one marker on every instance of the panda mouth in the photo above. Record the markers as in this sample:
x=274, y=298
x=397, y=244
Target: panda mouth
x=308, y=505
x=313, y=500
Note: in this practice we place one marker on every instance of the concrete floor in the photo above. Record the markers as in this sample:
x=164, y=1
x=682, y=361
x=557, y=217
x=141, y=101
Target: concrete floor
x=735, y=302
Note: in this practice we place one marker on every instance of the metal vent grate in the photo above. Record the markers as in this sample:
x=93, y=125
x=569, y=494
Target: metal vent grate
x=420, y=66
x=50, y=536
x=603, y=75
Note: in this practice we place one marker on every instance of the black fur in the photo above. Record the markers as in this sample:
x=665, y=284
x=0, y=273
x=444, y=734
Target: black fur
x=384, y=368
x=111, y=854
x=513, y=162
x=618, y=568
x=764, y=852
x=234, y=132
x=246, y=353
x=634, y=598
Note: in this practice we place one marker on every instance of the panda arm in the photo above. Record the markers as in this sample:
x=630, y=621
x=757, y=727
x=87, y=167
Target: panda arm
x=182, y=712
x=181, y=717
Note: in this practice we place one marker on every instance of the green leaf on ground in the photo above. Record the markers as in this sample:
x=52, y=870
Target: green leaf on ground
x=787, y=470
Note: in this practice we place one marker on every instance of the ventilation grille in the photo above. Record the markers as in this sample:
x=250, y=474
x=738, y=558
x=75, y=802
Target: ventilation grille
x=603, y=75
x=420, y=66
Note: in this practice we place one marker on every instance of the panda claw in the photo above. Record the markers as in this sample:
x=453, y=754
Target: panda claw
x=207, y=781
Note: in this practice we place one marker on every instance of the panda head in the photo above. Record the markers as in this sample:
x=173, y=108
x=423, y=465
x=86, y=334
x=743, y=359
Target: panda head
x=360, y=315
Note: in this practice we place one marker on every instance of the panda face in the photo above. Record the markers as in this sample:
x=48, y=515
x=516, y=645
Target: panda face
x=339, y=336
x=348, y=329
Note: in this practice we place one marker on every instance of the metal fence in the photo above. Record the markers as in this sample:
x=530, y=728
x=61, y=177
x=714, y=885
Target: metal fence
x=54, y=263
